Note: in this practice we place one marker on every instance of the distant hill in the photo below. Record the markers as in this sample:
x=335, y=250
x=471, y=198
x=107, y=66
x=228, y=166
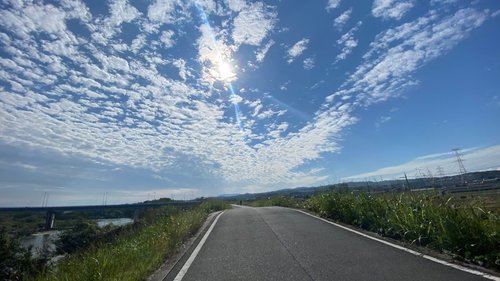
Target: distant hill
x=486, y=178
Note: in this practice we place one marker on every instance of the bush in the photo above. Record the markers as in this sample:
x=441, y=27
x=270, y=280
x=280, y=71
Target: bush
x=16, y=262
x=82, y=235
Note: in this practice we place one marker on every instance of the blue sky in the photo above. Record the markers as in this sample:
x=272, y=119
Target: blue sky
x=187, y=98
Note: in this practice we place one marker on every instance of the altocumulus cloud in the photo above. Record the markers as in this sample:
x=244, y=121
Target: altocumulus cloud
x=147, y=87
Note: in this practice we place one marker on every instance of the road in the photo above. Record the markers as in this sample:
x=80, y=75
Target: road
x=282, y=244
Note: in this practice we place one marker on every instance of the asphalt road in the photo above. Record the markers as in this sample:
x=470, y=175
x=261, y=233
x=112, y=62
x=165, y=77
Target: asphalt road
x=282, y=244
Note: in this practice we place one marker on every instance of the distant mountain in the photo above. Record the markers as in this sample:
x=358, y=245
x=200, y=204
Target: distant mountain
x=491, y=178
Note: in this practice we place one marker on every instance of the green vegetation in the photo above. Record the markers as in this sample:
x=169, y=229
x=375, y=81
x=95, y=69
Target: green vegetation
x=24, y=223
x=19, y=224
x=464, y=229
x=282, y=201
x=16, y=262
x=127, y=253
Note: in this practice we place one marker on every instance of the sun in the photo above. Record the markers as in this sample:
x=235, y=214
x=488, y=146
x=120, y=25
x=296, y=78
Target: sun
x=225, y=72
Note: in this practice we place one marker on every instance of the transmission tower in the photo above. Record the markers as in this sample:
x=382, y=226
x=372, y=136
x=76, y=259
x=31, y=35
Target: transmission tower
x=460, y=163
x=440, y=171
x=440, y=174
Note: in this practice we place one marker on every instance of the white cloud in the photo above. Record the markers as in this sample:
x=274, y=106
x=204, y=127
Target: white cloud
x=253, y=24
x=476, y=159
x=235, y=99
x=184, y=72
x=341, y=20
x=297, y=49
x=261, y=54
x=215, y=55
x=443, y=2
x=398, y=52
x=284, y=85
x=382, y=120
x=166, y=38
x=236, y=5
x=332, y=4
x=391, y=9
x=348, y=43
x=162, y=11
x=120, y=11
x=109, y=105
x=308, y=63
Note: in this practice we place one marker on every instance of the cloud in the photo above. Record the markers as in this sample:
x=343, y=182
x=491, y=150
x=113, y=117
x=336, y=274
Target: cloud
x=308, y=63
x=236, y=5
x=382, y=120
x=443, y=2
x=261, y=54
x=162, y=11
x=297, y=49
x=253, y=24
x=184, y=72
x=166, y=38
x=119, y=108
x=391, y=9
x=120, y=12
x=117, y=99
x=284, y=85
x=348, y=43
x=398, y=52
x=332, y=4
x=214, y=54
x=341, y=20
x=476, y=159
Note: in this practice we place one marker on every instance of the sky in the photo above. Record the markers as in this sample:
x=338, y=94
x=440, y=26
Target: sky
x=136, y=100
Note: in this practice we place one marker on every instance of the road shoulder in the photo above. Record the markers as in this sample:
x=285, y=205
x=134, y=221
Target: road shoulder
x=174, y=263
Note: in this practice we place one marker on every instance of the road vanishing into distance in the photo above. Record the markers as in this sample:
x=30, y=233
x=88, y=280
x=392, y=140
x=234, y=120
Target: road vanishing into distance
x=276, y=243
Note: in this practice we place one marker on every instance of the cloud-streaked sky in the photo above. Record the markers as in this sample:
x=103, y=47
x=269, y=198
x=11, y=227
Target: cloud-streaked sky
x=190, y=98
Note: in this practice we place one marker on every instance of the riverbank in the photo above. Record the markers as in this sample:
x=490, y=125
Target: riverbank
x=133, y=255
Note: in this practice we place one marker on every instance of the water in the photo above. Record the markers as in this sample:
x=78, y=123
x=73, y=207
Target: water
x=44, y=242
x=116, y=222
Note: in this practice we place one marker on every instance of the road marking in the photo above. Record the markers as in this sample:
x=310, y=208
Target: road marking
x=456, y=266
x=188, y=263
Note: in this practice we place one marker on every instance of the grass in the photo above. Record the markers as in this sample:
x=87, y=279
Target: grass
x=468, y=230
x=277, y=201
x=136, y=254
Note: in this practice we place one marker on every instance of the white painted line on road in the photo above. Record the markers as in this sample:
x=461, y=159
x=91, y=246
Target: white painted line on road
x=188, y=263
x=456, y=266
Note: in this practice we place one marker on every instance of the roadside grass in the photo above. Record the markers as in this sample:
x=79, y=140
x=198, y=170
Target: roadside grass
x=136, y=254
x=465, y=230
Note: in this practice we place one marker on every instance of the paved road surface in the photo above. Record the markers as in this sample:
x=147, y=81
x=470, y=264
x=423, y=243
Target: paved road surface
x=282, y=244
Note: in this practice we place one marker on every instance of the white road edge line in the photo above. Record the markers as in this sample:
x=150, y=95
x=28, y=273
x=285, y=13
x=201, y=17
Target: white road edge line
x=456, y=266
x=191, y=258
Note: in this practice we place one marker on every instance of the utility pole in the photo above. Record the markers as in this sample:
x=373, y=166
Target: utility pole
x=460, y=163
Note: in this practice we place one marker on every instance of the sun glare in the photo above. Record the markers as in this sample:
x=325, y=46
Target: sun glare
x=225, y=71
